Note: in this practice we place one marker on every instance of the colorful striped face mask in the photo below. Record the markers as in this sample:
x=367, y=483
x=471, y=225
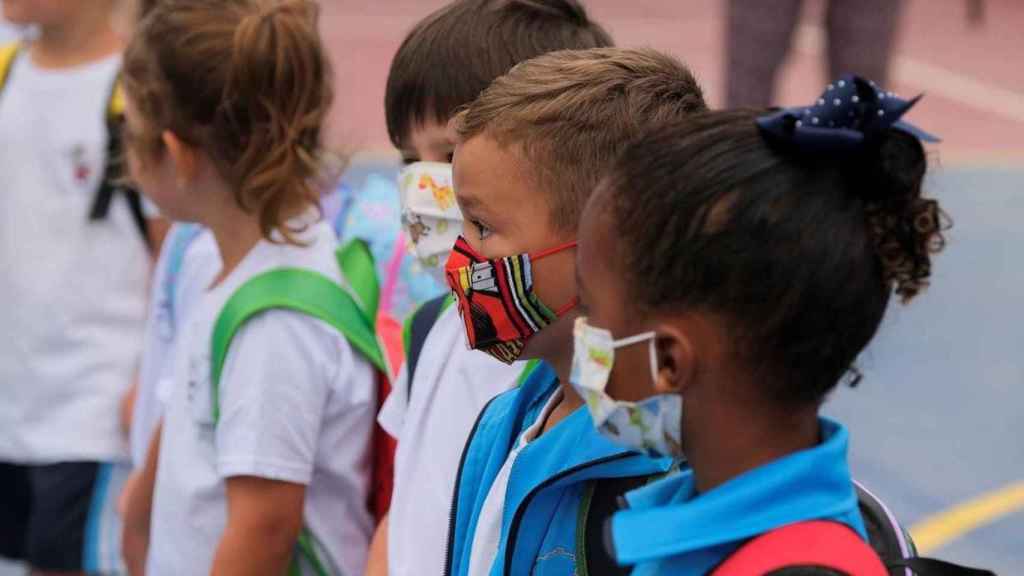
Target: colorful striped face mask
x=499, y=308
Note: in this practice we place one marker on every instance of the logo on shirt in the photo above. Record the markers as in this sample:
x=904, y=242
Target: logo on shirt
x=80, y=165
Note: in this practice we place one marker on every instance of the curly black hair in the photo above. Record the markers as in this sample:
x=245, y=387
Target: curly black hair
x=799, y=255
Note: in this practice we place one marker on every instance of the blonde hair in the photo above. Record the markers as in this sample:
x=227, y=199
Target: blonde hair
x=570, y=113
x=246, y=81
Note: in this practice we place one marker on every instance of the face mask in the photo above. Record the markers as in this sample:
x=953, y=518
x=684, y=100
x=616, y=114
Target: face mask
x=653, y=425
x=496, y=299
x=430, y=215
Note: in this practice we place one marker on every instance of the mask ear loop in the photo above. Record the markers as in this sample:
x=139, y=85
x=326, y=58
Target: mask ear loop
x=549, y=251
x=650, y=336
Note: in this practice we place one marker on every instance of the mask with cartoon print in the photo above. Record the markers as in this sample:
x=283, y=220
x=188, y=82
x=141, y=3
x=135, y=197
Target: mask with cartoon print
x=430, y=216
x=653, y=425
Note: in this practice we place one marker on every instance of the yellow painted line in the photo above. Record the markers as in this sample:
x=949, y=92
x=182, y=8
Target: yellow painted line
x=936, y=531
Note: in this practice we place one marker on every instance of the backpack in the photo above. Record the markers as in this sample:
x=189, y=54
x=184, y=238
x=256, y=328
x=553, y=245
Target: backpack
x=837, y=550
x=111, y=183
x=313, y=294
x=417, y=326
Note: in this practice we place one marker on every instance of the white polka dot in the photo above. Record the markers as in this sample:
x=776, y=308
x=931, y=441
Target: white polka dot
x=821, y=101
x=807, y=111
x=841, y=83
x=799, y=123
x=855, y=99
x=837, y=102
x=881, y=112
x=831, y=87
x=815, y=120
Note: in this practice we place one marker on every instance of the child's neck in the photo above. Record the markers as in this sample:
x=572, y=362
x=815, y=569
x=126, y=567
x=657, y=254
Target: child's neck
x=79, y=41
x=236, y=233
x=733, y=440
x=562, y=364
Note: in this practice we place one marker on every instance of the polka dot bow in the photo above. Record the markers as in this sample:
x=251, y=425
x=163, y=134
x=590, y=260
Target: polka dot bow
x=851, y=113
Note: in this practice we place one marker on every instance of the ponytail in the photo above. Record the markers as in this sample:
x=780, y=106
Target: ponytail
x=249, y=83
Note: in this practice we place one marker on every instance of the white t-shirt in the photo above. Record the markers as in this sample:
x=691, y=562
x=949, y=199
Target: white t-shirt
x=452, y=385
x=296, y=405
x=168, y=312
x=487, y=535
x=73, y=291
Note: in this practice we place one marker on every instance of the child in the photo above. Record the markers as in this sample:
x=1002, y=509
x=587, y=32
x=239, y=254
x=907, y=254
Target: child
x=732, y=267
x=75, y=264
x=531, y=149
x=264, y=448
x=443, y=64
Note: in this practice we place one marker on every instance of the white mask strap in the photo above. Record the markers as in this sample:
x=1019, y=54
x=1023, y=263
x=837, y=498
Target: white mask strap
x=633, y=339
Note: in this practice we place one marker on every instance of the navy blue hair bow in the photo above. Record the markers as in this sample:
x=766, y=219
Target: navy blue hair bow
x=850, y=114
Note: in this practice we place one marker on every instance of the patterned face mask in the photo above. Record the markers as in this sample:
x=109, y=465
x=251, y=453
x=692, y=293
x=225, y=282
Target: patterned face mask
x=496, y=299
x=652, y=426
x=430, y=215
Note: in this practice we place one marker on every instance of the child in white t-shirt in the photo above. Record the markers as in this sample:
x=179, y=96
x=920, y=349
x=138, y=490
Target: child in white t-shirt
x=264, y=450
x=442, y=65
x=75, y=261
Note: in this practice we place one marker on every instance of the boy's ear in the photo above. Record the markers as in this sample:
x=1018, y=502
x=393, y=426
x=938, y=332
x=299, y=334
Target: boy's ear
x=184, y=157
x=677, y=359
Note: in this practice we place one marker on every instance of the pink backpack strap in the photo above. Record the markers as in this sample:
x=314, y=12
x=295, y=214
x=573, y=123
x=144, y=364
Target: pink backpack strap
x=818, y=543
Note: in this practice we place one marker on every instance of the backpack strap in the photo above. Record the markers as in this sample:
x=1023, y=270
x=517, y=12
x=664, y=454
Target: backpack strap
x=177, y=245
x=893, y=543
x=417, y=328
x=600, y=501
x=8, y=53
x=815, y=543
x=112, y=181
x=295, y=289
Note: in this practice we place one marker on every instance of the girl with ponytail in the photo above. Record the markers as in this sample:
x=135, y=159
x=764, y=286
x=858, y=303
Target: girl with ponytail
x=262, y=463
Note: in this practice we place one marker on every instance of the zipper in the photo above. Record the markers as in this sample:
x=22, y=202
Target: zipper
x=518, y=517
x=453, y=510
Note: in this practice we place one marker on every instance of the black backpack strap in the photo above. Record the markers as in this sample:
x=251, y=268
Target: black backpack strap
x=423, y=320
x=112, y=181
x=601, y=500
x=934, y=567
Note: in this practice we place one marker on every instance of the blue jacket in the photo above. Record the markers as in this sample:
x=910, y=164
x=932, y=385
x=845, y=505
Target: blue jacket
x=669, y=529
x=546, y=484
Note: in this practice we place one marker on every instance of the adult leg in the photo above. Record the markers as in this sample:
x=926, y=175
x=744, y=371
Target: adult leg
x=758, y=35
x=861, y=37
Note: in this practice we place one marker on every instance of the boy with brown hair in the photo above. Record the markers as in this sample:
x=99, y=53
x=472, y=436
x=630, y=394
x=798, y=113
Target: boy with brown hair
x=443, y=64
x=535, y=474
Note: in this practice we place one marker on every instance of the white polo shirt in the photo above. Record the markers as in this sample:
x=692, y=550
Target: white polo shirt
x=73, y=291
x=452, y=385
x=296, y=405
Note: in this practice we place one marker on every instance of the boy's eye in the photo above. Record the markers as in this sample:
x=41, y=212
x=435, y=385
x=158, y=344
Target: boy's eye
x=483, y=230
x=406, y=160
x=451, y=157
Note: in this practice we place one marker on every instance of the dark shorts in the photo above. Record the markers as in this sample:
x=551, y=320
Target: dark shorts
x=46, y=513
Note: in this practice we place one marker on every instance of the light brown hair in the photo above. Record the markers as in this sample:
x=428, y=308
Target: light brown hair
x=246, y=81
x=570, y=113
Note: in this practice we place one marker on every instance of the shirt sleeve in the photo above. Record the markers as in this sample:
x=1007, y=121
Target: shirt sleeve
x=392, y=413
x=276, y=383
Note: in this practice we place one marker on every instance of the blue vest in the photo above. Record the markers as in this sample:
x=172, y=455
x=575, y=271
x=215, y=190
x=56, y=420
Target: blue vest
x=669, y=529
x=546, y=485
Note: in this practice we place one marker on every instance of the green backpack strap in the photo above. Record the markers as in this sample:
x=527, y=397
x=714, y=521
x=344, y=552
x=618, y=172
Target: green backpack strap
x=292, y=289
x=360, y=272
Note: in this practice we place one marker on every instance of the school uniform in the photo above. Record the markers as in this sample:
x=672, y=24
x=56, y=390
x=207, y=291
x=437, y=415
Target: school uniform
x=517, y=505
x=295, y=404
x=187, y=266
x=432, y=418
x=668, y=528
x=74, y=293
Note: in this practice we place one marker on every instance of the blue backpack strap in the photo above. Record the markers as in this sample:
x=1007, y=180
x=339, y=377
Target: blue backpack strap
x=177, y=245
